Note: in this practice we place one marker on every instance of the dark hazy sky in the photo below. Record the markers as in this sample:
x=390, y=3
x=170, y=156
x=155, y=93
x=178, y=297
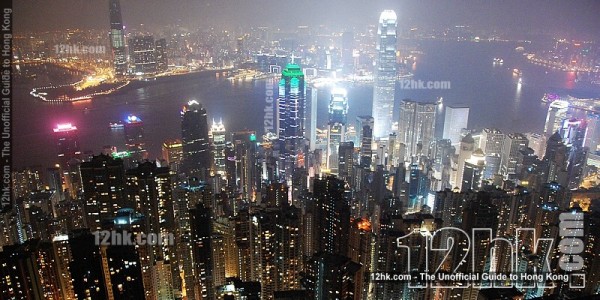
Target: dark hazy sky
x=576, y=17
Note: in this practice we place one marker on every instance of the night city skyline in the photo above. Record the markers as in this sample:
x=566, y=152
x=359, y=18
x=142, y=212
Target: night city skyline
x=281, y=150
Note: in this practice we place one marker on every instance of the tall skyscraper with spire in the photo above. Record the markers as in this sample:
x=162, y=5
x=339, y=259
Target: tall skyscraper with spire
x=385, y=74
x=117, y=38
x=291, y=106
x=217, y=140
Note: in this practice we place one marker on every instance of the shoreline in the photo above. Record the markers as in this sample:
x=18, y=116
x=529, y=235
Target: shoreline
x=105, y=89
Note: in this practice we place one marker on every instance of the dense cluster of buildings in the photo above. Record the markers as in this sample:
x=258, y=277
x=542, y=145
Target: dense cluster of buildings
x=289, y=216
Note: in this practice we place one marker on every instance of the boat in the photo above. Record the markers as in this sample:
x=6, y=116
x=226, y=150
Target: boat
x=517, y=72
x=549, y=97
x=116, y=125
x=440, y=100
x=498, y=61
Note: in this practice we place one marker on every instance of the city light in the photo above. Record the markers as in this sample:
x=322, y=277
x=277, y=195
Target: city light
x=64, y=127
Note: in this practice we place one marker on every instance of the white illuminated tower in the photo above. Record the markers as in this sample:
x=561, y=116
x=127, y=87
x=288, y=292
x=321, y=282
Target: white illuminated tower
x=455, y=119
x=557, y=113
x=384, y=74
x=338, y=113
x=216, y=135
x=416, y=127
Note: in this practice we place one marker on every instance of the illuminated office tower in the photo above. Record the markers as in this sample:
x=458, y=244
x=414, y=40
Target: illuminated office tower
x=556, y=158
x=244, y=146
x=346, y=161
x=194, y=135
x=291, y=108
x=592, y=133
x=364, y=134
x=384, y=74
x=160, y=47
x=311, y=117
x=336, y=133
x=491, y=141
x=416, y=127
x=513, y=143
x=467, y=146
x=216, y=135
x=473, y=171
x=67, y=143
x=143, y=55
x=69, y=155
x=455, y=119
x=134, y=137
x=557, y=112
x=573, y=132
x=172, y=153
x=103, y=180
x=117, y=38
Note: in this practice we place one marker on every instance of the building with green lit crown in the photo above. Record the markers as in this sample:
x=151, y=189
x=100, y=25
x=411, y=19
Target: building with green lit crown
x=291, y=116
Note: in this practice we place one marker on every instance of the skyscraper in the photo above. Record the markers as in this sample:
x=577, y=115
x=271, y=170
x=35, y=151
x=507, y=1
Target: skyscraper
x=194, y=135
x=346, y=161
x=416, y=127
x=592, y=133
x=69, y=155
x=134, y=137
x=291, y=107
x=117, y=38
x=217, y=139
x=333, y=212
x=338, y=112
x=311, y=117
x=456, y=118
x=244, y=143
x=201, y=233
x=172, y=153
x=160, y=47
x=143, y=54
x=384, y=74
x=512, y=144
x=149, y=188
x=557, y=112
x=364, y=134
x=103, y=181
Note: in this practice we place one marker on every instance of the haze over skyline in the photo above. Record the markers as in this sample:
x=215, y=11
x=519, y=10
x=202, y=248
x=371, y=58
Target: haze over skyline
x=576, y=19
